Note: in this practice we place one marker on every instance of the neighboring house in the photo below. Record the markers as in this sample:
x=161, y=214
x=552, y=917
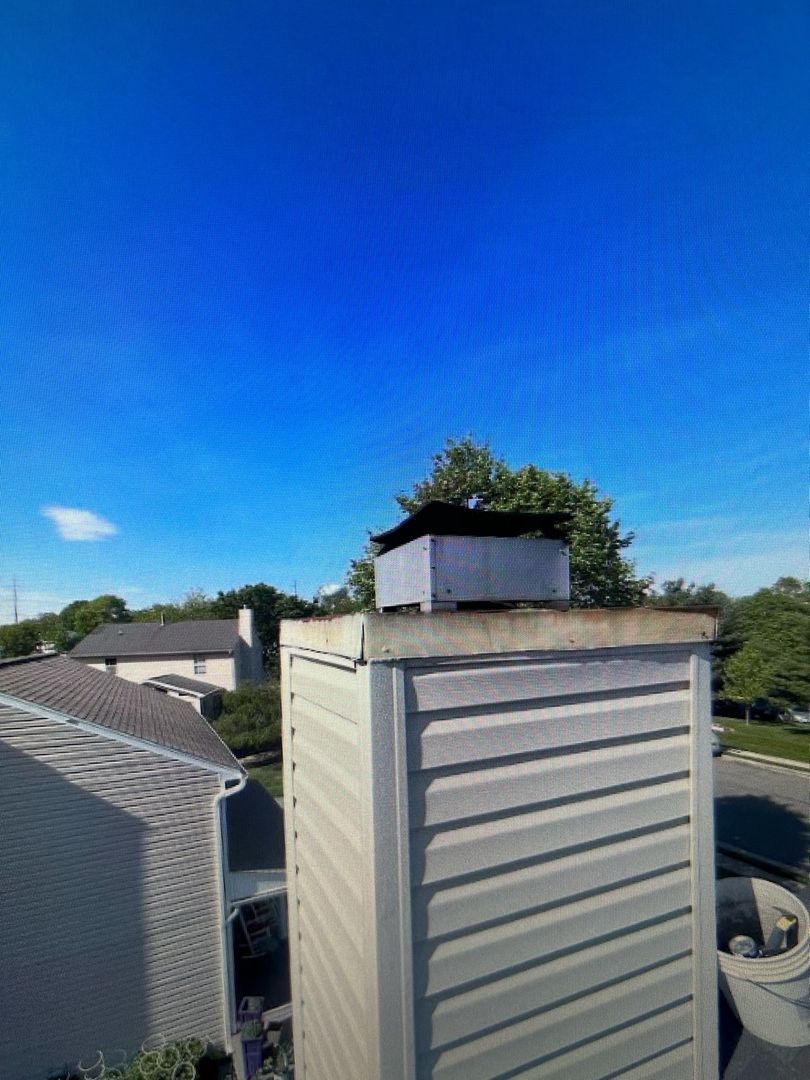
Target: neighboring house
x=222, y=652
x=118, y=907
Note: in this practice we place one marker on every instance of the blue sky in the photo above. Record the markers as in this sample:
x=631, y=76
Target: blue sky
x=259, y=262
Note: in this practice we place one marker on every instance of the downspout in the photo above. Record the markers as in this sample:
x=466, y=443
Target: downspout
x=225, y=920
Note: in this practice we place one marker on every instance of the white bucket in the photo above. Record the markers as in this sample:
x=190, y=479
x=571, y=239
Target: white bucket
x=771, y=994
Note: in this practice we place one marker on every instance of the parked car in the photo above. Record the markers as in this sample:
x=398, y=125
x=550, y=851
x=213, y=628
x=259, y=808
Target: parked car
x=717, y=749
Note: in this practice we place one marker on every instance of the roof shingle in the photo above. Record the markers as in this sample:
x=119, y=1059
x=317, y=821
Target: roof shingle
x=182, y=682
x=157, y=639
x=83, y=693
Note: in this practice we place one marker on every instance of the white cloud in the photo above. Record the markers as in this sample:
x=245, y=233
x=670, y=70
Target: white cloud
x=73, y=524
x=330, y=588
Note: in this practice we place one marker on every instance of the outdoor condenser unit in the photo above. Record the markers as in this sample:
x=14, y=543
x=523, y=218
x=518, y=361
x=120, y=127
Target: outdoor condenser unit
x=499, y=845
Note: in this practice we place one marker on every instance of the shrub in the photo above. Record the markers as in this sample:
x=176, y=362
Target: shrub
x=250, y=720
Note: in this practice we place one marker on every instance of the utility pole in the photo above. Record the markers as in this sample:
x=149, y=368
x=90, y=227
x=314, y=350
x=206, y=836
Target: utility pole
x=16, y=619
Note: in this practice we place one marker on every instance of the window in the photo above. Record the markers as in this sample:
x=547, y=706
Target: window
x=199, y=665
x=111, y=664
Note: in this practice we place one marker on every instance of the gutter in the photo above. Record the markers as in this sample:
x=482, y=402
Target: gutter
x=229, y=1002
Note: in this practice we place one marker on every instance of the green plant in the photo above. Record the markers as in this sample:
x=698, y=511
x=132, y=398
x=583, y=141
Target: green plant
x=156, y=1060
x=253, y=1029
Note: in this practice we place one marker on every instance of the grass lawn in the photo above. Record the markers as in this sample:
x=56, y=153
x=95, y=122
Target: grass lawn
x=270, y=777
x=777, y=740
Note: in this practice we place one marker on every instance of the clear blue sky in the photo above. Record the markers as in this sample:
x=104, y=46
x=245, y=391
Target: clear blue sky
x=260, y=260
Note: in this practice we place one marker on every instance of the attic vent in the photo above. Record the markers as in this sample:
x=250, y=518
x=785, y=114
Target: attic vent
x=446, y=556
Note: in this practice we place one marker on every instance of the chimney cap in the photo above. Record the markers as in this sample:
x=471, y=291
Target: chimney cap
x=447, y=519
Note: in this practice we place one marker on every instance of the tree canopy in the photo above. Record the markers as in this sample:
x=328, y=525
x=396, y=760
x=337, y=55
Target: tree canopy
x=468, y=473
x=19, y=639
x=774, y=624
x=676, y=593
x=747, y=677
x=270, y=606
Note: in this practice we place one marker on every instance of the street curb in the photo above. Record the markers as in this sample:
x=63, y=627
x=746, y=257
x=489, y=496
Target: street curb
x=764, y=759
x=771, y=865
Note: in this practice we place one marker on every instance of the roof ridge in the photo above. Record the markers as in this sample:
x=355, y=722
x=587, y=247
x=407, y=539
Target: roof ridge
x=11, y=660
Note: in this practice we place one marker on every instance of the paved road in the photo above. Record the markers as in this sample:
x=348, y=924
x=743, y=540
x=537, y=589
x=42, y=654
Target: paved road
x=763, y=810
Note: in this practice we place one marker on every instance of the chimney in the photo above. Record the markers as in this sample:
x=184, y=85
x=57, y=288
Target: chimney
x=252, y=646
x=246, y=629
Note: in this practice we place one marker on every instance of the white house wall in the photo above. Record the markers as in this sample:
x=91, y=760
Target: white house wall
x=219, y=670
x=109, y=898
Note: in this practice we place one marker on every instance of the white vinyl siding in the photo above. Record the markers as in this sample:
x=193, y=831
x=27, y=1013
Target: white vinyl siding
x=329, y=910
x=110, y=899
x=550, y=849
x=219, y=670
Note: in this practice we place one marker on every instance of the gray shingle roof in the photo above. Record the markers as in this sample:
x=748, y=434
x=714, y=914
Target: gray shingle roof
x=70, y=687
x=155, y=639
x=182, y=682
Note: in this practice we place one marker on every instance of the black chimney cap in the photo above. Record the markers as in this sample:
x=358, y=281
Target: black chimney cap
x=447, y=519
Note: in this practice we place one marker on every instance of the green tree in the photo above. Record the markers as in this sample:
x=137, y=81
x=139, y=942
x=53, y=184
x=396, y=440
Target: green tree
x=676, y=593
x=19, y=639
x=250, y=720
x=748, y=677
x=270, y=606
x=775, y=622
x=82, y=616
x=196, y=604
x=50, y=628
x=466, y=472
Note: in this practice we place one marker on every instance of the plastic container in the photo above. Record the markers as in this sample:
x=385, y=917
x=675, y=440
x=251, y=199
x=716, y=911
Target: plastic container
x=250, y=1008
x=771, y=994
x=252, y=1050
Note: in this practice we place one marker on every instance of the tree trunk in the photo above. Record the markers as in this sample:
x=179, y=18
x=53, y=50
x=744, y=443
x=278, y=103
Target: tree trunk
x=748, y=714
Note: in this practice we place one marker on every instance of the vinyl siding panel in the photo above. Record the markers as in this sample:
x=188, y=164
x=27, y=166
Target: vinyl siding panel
x=551, y=1033
x=326, y=889
x=549, y=808
x=479, y=955
x=110, y=896
x=219, y=670
x=610, y=1055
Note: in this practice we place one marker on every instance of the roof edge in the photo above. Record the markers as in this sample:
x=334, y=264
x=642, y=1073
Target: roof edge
x=61, y=717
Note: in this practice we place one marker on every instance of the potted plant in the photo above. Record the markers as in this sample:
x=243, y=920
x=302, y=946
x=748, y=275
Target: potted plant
x=215, y=1064
x=252, y=1034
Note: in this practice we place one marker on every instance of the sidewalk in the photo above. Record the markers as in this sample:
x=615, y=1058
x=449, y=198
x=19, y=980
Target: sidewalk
x=785, y=763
